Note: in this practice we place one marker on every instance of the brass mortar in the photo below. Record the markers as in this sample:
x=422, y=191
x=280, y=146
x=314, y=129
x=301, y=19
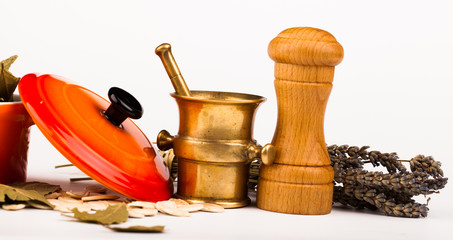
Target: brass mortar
x=215, y=146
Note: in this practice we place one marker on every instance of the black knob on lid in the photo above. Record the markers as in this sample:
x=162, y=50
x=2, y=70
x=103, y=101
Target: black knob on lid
x=123, y=105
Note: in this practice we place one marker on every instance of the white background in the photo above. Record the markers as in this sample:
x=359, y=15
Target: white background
x=392, y=92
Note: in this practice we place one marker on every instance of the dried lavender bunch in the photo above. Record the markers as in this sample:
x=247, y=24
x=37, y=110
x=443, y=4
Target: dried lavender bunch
x=340, y=196
x=355, y=157
x=171, y=161
x=421, y=163
x=254, y=173
x=409, y=184
x=362, y=197
x=391, y=192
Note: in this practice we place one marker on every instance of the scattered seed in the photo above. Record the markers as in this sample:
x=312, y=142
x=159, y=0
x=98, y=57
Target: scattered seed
x=144, y=211
x=113, y=202
x=38, y=205
x=95, y=189
x=141, y=204
x=62, y=209
x=176, y=212
x=97, y=205
x=75, y=195
x=63, y=205
x=83, y=207
x=149, y=211
x=94, y=198
x=179, y=202
x=53, y=195
x=12, y=207
x=165, y=204
x=68, y=199
x=211, y=207
x=69, y=206
x=191, y=207
x=133, y=213
x=55, y=201
x=169, y=207
x=100, y=197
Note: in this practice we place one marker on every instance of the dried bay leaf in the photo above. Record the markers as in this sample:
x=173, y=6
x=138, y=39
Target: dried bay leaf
x=144, y=229
x=112, y=214
x=19, y=194
x=8, y=82
x=40, y=187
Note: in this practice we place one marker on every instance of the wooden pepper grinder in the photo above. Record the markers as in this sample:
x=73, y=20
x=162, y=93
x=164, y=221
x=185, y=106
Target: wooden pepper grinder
x=301, y=179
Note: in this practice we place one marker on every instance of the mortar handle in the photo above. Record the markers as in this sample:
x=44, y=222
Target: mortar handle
x=266, y=154
x=164, y=140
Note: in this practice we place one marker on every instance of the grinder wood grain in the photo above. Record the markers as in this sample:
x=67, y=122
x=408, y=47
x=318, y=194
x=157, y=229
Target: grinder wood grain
x=300, y=180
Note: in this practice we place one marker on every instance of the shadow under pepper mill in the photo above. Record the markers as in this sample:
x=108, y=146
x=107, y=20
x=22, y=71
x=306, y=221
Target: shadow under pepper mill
x=301, y=179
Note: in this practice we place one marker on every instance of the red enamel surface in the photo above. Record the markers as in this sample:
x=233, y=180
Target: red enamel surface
x=71, y=117
x=14, y=136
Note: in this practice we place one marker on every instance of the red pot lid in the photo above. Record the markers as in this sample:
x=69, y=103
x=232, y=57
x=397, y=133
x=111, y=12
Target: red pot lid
x=74, y=120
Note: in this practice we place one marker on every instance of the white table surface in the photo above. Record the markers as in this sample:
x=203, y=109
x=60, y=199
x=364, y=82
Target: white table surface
x=392, y=92
x=242, y=223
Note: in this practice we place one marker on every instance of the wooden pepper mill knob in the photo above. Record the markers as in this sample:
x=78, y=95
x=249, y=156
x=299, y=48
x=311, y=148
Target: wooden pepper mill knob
x=301, y=179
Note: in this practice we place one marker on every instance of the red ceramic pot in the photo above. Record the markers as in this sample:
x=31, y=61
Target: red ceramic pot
x=14, y=137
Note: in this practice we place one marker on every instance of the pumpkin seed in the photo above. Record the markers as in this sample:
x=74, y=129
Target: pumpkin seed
x=12, y=207
x=169, y=207
x=211, y=207
x=191, y=207
x=100, y=197
x=142, y=204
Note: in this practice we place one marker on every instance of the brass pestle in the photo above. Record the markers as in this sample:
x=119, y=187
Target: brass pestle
x=164, y=53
